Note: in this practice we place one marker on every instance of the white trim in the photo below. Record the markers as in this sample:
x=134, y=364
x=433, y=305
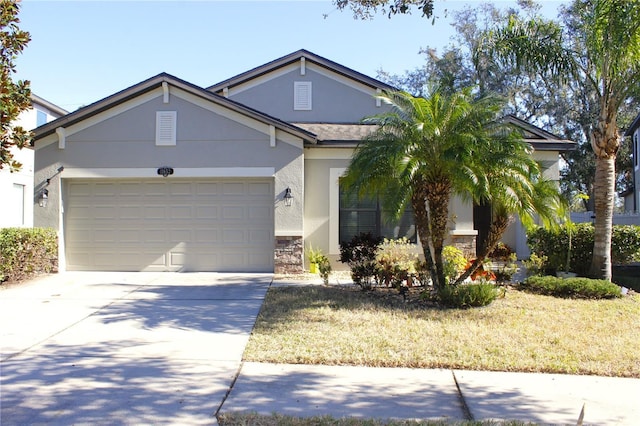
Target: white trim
x=225, y=92
x=165, y=92
x=62, y=137
x=279, y=72
x=272, y=136
x=238, y=118
x=378, y=100
x=303, y=68
x=334, y=209
x=103, y=116
x=195, y=172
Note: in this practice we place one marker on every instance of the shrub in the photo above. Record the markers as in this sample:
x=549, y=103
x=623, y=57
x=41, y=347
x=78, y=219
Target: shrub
x=360, y=255
x=467, y=295
x=584, y=288
x=454, y=263
x=396, y=260
x=507, y=268
x=324, y=268
x=501, y=252
x=535, y=265
x=25, y=252
x=625, y=246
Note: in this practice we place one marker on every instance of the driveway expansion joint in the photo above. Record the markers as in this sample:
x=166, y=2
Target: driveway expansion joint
x=465, y=407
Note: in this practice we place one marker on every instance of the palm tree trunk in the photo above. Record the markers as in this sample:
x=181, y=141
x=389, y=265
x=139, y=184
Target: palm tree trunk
x=498, y=226
x=605, y=142
x=604, y=201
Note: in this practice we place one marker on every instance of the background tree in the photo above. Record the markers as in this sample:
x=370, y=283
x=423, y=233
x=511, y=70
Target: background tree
x=566, y=109
x=366, y=9
x=14, y=96
x=604, y=58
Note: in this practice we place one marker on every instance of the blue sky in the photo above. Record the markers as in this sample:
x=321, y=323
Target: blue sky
x=83, y=51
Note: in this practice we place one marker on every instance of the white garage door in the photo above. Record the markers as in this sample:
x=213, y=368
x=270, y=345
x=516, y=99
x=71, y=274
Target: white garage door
x=169, y=225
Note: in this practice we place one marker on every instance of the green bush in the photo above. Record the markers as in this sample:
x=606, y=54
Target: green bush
x=583, y=288
x=625, y=246
x=25, y=252
x=396, y=261
x=467, y=295
x=454, y=263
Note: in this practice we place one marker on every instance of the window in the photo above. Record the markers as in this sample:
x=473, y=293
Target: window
x=41, y=118
x=16, y=212
x=358, y=216
x=166, y=128
x=302, y=95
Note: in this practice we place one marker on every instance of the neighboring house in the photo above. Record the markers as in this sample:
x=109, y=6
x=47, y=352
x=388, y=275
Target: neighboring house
x=16, y=189
x=632, y=195
x=166, y=175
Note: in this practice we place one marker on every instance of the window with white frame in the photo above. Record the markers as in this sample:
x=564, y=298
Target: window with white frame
x=302, y=95
x=366, y=215
x=16, y=212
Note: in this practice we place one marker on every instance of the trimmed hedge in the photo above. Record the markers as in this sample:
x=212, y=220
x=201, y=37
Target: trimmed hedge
x=582, y=288
x=625, y=246
x=25, y=252
x=468, y=295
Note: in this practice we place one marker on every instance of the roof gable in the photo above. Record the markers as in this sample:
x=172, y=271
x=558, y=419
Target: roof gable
x=165, y=81
x=540, y=139
x=301, y=56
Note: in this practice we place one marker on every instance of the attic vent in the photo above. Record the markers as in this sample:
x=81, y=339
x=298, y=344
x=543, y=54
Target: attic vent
x=302, y=95
x=166, y=128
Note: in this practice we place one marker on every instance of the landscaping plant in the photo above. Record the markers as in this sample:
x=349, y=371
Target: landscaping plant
x=360, y=254
x=583, y=288
x=25, y=252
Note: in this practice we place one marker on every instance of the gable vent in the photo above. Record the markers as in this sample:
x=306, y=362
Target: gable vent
x=302, y=95
x=166, y=128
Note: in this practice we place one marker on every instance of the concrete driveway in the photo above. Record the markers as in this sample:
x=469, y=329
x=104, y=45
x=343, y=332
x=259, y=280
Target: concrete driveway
x=123, y=348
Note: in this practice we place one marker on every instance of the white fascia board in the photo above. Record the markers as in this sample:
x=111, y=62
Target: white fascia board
x=194, y=172
x=257, y=81
x=239, y=118
x=295, y=67
x=105, y=115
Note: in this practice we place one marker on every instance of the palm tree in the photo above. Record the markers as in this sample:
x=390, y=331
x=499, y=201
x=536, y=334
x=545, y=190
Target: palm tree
x=604, y=56
x=428, y=149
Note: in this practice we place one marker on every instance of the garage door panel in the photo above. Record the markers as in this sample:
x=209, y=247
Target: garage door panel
x=197, y=225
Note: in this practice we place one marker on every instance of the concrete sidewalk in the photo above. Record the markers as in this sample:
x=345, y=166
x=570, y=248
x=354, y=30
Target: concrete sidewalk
x=402, y=393
x=123, y=348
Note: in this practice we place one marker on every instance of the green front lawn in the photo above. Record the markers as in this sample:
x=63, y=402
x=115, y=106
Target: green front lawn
x=520, y=332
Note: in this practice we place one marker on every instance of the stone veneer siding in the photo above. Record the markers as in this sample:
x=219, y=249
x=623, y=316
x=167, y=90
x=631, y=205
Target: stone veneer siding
x=466, y=243
x=289, y=255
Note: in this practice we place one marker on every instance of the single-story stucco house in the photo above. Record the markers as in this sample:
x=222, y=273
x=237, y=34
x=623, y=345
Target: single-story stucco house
x=239, y=176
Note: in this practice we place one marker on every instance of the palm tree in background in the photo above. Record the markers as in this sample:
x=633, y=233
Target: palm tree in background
x=601, y=50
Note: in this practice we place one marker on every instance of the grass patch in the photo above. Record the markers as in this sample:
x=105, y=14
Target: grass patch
x=519, y=332
x=246, y=419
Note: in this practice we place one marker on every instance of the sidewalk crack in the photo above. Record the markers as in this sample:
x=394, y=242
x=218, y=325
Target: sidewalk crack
x=465, y=408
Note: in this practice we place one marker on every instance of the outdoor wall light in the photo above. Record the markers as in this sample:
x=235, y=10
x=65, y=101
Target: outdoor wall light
x=288, y=198
x=44, y=198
